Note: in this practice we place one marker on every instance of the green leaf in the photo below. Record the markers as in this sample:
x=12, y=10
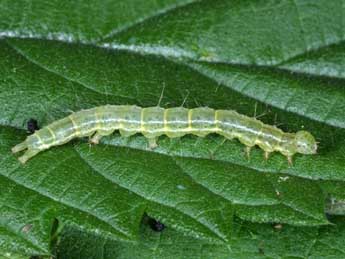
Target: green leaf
x=280, y=59
x=249, y=241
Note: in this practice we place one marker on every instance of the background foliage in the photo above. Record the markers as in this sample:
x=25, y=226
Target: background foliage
x=281, y=59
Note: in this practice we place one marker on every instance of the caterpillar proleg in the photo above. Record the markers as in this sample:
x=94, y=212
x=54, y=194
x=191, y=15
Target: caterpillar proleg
x=153, y=122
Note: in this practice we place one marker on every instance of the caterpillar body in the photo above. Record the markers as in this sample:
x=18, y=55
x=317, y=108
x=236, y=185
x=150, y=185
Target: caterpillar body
x=153, y=122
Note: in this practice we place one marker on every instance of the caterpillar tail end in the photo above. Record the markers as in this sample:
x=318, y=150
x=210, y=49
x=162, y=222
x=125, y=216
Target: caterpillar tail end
x=19, y=147
x=27, y=155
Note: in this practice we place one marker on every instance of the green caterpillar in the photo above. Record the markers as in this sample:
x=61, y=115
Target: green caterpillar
x=153, y=122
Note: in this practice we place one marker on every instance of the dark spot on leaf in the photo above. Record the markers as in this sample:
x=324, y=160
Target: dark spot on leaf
x=32, y=125
x=156, y=225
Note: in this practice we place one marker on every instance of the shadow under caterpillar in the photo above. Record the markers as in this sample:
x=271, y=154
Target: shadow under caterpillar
x=153, y=122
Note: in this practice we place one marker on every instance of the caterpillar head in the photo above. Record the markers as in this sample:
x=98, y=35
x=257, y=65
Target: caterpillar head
x=305, y=142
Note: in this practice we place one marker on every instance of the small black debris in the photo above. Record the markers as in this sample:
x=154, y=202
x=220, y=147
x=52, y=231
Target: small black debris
x=32, y=125
x=156, y=225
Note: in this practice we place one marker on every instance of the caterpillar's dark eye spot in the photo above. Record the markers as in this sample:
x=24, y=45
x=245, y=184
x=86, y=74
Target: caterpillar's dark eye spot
x=156, y=225
x=32, y=125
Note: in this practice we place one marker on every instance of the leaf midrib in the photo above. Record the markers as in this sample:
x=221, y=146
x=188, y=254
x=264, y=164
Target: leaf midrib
x=150, y=50
x=167, y=11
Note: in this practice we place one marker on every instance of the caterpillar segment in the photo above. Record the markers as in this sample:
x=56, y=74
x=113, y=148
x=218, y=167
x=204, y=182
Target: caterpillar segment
x=153, y=122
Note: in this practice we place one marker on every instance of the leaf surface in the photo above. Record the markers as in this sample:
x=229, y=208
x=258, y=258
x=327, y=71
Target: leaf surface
x=249, y=241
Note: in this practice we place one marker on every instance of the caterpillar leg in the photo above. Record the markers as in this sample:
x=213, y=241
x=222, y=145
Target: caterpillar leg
x=267, y=155
x=152, y=142
x=99, y=134
x=126, y=133
x=247, y=149
x=27, y=155
x=289, y=158
x=19, y=147
x=95, y=138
